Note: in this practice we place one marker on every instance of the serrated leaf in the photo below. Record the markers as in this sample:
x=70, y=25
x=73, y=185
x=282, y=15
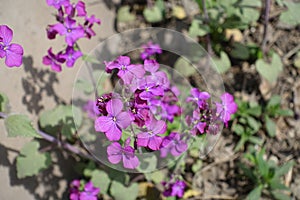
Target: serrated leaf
x=3, y=102
x=30, y=161
x=269, y=71
x=184, y=67
x=270, y=126
x=255, y=194
x=20, y=125
x=153, y=15
x=223, y=63
x=118, y=191
x=101, y=180
x=291, y=16
x=124, y=14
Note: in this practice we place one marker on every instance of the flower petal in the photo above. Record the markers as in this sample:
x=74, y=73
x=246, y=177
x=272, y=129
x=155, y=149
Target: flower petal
x=114, y=152
x=114, y=133
x=6, y=34
x=114, y=106
x=124, y=119
x=130, y=162
x=103, y=124
x=155, y=142
x=14, y=55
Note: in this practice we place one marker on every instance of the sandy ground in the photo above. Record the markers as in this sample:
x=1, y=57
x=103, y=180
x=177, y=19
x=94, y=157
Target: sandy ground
x=30, y=90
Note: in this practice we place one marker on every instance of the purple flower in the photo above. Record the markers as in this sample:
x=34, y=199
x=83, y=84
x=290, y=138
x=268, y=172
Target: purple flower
x=102, y=101
x=173, y=144
x=51, y=32
x=116, y=120
x=70, y=30
x=149, y=138
x=53, y=60
x=71, y=56
x=91, y=109
x=149, y=88
x=13, y=52
x=139, y=113
x=74, y=190
x=79, y=7
x=126, y=71
x=90, y=192
x=58, y=3
x=174, y=188
x=226, y=108
x=88, y=24
x=178, y=188
x=151, y=65
x=198, y=97
x=116, y=153
x=198, y=125
x=150, y=49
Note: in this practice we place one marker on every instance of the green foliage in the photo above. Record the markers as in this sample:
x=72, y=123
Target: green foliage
x=30, y=161
x=247, y=123
x=153, y=15
x=124, y=14
x=239, y=51
x=84, y=85
x=270, y=71
x=265, y=175
x=222, y=63
x=184, y=67
x=20, y=125
x=119, y=191
x=273, y=110
x=157, y=176
x=3, y=102
x=60, y=119
x=291, y=16
x=100, y=179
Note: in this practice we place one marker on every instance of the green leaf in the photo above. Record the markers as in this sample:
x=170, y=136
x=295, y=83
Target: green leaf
x=118, y=176
x=239, y=51
x=119, y=191
x=275, y=184
x=184, y=67
x=291, y=16
x=147, y=164
x=3, y=102
x=274, y=101
x=90, y=59
x=124, y=14
x=153, y=15
x=280, y=196
x=157, y=176
x=197, y=166
x=253, y=123
x=198, y=29
x=270, y=71
x=161, y=5
x=284, y=169
x=89, y=169
x=85, y=86
x=61, y=119
x=20, y=125
x=255, y=194
x=254, y=111
x=249, y=11
x=255, y=140
x=270, y=126
x=262, y=165
x=238, y=129
x=30, y=161
x=285, y=112
x=223, y=63
x=101, y=180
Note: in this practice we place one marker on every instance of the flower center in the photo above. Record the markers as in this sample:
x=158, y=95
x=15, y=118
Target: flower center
x=123, y=67
x=114, y=119
x=147, y=89
x=5, y=48
x=69, y=30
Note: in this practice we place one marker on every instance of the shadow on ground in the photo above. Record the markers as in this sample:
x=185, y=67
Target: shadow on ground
x=47, y=183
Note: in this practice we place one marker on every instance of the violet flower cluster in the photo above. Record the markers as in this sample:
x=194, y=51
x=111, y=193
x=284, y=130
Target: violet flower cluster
x=148, y=102
x=68, y=17
x=81, y=191
x=12, y=52
x=174, y=188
